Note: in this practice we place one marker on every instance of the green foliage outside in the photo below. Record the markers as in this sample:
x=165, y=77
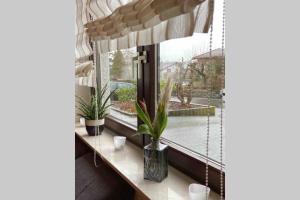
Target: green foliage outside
x=126, y=94
x=117, y=64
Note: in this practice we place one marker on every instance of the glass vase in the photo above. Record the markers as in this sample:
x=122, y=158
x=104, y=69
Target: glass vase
x=155, y=161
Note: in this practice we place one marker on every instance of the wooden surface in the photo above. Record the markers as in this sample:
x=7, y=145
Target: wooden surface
x=129, y=164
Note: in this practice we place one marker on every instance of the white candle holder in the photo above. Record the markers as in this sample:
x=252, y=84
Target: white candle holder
x=119, y=142
x=82, y=121
x=198, y=191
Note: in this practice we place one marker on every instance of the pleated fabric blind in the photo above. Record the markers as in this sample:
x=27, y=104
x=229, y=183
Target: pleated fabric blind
x=121, y=24
x=89, y=80
x=85, y=74
x=84, y=69
x=82, y=48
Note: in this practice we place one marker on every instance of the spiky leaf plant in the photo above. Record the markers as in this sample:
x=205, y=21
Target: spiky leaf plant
x=97, y=107
x=156, y=127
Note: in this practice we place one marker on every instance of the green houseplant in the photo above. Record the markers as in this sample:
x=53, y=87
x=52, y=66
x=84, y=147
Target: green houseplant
x=155, y=154
x=95, y=111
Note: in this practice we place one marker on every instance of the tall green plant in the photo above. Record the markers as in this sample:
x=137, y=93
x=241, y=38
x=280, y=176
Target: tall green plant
x=156, y=127
x=97, y=107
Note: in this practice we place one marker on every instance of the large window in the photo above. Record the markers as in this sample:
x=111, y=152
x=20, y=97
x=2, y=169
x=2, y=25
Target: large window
x=123, y=81
x=196, y=76
x=193, y=72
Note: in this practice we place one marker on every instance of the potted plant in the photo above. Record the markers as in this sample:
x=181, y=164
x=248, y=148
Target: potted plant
x=155, y=154
x=94, y=111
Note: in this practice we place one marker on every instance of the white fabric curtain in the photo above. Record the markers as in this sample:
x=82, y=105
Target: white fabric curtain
x=184, y=25
x=85, y=74
x=82, y=48
x=84, y=69
x=89, y=80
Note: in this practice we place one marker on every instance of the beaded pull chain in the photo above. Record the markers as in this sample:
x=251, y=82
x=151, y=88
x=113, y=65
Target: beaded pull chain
x=222, y=104
x=222, y=94
x=209, y=92
x=96, y=106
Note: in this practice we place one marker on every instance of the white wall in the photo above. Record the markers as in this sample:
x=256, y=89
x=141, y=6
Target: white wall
x=85, y=93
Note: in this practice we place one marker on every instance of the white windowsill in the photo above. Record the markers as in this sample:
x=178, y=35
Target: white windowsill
x=130, y=165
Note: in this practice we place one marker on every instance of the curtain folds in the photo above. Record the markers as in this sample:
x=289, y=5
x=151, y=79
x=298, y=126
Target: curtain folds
x=89, y=81
x=138, y=15
x=121, y=24
x=85, y=74
x=84, y=69
x=82, y=45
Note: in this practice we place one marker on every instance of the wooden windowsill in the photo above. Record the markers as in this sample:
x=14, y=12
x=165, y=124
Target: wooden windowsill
x=129, y=164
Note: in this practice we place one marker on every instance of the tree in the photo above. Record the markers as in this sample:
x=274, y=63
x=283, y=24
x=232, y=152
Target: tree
x=117, y=63
x=216, y=75
x=184, y=86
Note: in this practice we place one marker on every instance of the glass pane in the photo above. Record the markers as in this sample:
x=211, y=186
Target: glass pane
x=123, y=81
x=188, y=62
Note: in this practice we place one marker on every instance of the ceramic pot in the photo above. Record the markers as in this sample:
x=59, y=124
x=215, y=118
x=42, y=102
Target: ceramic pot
x=94, y=127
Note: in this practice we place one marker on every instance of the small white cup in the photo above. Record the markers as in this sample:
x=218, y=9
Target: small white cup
x=119, y=142
x=82, y=121
x=198, y=191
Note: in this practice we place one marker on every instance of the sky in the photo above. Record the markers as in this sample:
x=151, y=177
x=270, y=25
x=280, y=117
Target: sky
x=197, y=44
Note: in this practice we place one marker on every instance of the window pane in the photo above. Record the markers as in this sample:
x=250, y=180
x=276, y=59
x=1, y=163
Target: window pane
x=188, y=62
x=123, y=81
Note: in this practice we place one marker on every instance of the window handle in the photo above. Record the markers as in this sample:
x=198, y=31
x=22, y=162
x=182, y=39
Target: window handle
x=138, y=61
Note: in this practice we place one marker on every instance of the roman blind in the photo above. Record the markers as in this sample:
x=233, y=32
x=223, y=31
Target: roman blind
x=82, y=47
x=85, y=74
x=121, y=24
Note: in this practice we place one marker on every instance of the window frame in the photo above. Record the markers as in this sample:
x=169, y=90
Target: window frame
x=178, y=157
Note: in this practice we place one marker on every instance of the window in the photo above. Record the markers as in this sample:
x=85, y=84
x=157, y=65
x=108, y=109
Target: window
x=123, y=81
x=188, y=62
x=193, y=71
x=161, y=63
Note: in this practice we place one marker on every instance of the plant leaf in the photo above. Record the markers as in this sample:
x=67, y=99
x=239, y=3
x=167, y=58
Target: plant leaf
x=143, y=128
x=141, y=114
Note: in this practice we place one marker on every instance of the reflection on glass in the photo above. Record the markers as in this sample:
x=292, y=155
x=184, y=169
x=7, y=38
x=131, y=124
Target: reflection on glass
x=123, y=81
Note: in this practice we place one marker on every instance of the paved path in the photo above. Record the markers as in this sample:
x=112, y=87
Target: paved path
x=190, y=132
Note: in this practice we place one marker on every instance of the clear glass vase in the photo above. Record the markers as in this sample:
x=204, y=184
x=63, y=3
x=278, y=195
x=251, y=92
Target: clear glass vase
x=155, y=161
